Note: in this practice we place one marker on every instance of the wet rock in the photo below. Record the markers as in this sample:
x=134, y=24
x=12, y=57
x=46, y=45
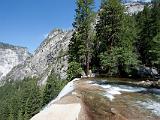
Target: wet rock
x=147, y=72
x=148, y=83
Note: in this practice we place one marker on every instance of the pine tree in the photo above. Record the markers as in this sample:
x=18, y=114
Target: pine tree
x=149, y=29
x=144, y=36
x=81, y=42
x=24, y=93
x=115, y=34
x=108, y=31
x=155, y=18
x=33, y=103
x=74, y=70
x=126, y=54
x=155, y=51
x=109, y=24
x=20, y=115
x=155, y=31
x=53, y=87
x=26, y=116
x=49, y=91
x=11, y=114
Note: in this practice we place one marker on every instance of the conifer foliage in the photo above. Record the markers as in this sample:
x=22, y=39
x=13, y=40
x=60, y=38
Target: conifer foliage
x=148, y=37
x=52, y=88
x=81, y=42
x=115, y=38
x=21, y=100
x=122, y=42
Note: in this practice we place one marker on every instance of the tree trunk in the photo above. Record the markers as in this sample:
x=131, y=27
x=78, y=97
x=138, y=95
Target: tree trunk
x=87, y=64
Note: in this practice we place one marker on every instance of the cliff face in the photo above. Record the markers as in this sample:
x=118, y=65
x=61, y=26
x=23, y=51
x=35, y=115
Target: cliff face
x=134, y=8
x=11, y=56
x=51, y=55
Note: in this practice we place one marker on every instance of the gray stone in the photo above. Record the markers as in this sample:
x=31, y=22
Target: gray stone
x=11, y=56
x=144, y=71
x=50, y=55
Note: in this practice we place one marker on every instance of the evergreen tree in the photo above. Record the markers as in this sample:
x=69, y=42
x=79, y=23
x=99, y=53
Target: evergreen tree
x=144, y=36
x=115, y=38
x=33, y=103
x=109, y=24
x=11, y=114
x=155, y=51
x=20, y=115
x=155, y=18
x=108, y=31
x=26, y=116
x=25, y=91
x=155, y=31
x=74, y=70
x=149, y=25
x=127, y=55
x=81, y=42
x=19, y=99
x=53, y=87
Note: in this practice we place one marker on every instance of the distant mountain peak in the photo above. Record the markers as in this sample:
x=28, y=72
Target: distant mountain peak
x=6, y=45
x=10, y=56
x=131, y=1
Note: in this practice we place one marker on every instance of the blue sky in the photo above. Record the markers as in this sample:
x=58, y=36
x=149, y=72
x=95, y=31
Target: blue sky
x=26, y=22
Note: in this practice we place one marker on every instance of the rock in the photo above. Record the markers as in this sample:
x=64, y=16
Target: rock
x=83, y=74
x=154, y=71
x=133, y=7
x=50, y=55
x=149, y=84
x=147, y=72
x=11, y=56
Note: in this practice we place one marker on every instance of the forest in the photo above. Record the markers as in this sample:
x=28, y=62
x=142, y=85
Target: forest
x=113, y=42
x=21, y=100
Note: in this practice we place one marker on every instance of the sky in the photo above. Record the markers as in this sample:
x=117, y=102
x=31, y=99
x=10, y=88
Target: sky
x=27, y=22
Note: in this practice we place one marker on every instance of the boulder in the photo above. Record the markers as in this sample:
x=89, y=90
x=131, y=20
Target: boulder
x=148, y=72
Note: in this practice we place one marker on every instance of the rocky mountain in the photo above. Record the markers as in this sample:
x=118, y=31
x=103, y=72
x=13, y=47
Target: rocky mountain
x=134, y=8
x=50, y=55
x=11, y=56
x=131, y=1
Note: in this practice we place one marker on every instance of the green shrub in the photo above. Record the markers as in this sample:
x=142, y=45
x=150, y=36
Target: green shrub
x=74, y=70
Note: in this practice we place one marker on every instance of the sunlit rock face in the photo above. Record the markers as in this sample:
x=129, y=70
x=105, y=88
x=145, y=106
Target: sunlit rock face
x=134, y=8
x=10, y=56
x=50, y=55
x=131, y=1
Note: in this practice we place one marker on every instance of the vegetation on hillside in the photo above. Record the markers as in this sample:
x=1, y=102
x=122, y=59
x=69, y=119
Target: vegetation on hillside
x=20, y=100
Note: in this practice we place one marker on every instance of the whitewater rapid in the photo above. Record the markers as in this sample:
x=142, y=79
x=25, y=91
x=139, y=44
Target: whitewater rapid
x=151, y=100
x=112, y=90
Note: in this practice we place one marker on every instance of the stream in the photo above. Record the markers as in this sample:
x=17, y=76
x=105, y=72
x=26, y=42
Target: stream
x=133, y=102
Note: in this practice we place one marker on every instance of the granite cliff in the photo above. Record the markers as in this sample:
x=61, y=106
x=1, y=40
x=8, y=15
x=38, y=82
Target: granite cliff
x=10, y=56
x=50, y=55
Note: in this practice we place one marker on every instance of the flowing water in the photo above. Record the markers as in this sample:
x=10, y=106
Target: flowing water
x=135, y=103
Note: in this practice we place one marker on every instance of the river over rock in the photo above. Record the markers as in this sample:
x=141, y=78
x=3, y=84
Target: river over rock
x=103, y=99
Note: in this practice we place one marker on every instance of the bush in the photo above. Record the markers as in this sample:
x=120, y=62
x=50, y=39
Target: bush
x=74, y=70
